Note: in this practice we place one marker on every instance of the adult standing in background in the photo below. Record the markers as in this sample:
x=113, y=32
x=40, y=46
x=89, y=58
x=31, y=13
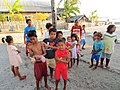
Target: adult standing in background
x=30, y=27
x=77, y=29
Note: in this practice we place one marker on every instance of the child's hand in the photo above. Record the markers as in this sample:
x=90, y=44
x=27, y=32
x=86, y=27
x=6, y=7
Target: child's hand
x=18, y=51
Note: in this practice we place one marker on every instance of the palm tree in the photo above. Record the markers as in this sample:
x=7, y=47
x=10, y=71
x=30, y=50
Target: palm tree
x=15, y=8
x=94, y=16
x=70, y=9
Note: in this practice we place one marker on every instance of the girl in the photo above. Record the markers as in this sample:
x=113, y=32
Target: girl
x=74, y=43
x=109, y=40
x=98, y=47
x=83, y=40
x=14, y=57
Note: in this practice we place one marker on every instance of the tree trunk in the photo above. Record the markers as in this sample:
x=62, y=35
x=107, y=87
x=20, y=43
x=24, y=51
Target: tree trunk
x=54, y=13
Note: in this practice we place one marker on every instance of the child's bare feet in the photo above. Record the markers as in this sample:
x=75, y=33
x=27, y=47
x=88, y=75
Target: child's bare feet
x=37, y=88
x=56, y=88
x=48, y=87
x=23, y=77
x=94, y=68
x=64, y=88
x=90, y=66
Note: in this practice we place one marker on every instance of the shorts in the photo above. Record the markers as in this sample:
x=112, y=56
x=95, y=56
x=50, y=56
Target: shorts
x=83, y=41
x=40, y=70
x=51, y=63
x=61, y=70
x=96, y=57
x=104, y=55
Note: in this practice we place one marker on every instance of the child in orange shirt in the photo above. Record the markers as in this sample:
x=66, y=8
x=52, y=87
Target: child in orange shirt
x=61, y=56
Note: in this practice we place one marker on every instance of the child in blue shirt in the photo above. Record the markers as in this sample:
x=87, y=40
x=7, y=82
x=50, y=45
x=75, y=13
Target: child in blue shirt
x=98, y=47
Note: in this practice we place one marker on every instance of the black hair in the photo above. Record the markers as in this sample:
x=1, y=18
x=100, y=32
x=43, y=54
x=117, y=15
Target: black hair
x=83, y=25
x=99, y=34
x=74, y=35
x=58, y=33
x=94, y=32
x=32, y=33
x=110, y=27
x=64, y=39
x=61, y=40
x=8, y=39
x=48, y=25
x=3, y=40
x=76, y=20
x=52, y=30
x=28, y=20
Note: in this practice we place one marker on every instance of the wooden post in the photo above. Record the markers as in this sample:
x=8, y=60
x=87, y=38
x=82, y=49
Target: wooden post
x=54, y=13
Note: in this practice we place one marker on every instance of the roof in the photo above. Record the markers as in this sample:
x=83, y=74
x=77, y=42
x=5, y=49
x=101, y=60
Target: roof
x=79, y=17
x=30, y=5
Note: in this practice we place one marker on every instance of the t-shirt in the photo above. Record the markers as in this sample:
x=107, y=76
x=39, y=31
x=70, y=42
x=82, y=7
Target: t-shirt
x=50, y=53
x=109, y=41
x=98, y=45
x=74, y=52
x=83, y=34
x=47, y=34
x=26, y=31
x=77, y=30
x=61, y=54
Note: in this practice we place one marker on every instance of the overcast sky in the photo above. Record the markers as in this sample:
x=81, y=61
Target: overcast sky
x=105, y=8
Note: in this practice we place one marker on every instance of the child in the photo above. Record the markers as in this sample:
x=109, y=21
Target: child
x=50, y=44
x=74, y=43
x=59, y=35
x=14, y=58
x=109, y=40
x=61, y=56
x=48, y=26
x=83, y=40
x=94, y=35
x=98, y=46
x=37, y=53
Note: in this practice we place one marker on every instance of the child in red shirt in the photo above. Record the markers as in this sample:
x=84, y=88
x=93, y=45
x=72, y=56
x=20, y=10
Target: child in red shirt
x=61, y=56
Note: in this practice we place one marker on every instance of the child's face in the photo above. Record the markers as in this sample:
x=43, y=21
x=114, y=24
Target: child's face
x=53, y=35
x=83, y=27
x=73, y=38
x=61, y=45
x=69, y=39
x=97, y=37
x=113, y=29
x=60, y=35
x=33, y=39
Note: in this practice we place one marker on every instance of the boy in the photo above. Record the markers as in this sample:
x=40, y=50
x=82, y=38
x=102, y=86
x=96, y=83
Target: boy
x=48, y=26
x=50, y=44
x=37, y=52
x=98, y=47
x=83, y=41
x=62, y=57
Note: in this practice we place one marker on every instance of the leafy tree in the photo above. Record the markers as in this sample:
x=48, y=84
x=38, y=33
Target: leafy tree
x=15, y=8
x=2, y=17
x=70, y=9
x=94, y=16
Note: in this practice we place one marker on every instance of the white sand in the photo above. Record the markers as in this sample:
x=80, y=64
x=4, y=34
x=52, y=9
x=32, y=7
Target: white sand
x=81, y=78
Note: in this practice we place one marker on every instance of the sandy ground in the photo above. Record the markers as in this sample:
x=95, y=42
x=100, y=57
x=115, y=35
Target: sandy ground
x=81, y=78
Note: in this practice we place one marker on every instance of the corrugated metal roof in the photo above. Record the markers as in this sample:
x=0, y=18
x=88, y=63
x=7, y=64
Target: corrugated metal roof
x=30, y=5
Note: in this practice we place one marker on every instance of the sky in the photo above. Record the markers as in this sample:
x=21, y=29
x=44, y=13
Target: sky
x=105, y=8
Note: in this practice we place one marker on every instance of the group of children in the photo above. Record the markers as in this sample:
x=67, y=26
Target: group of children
x=57, y=54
